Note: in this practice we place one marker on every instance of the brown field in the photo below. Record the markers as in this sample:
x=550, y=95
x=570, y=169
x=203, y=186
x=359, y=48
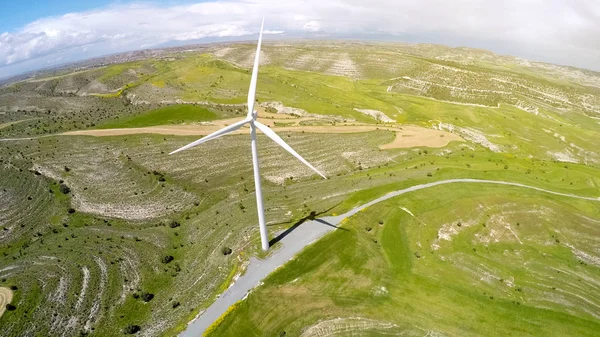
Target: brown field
x=406, y=136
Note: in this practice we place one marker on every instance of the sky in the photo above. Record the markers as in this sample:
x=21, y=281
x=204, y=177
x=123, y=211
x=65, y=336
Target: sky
x=38, y=34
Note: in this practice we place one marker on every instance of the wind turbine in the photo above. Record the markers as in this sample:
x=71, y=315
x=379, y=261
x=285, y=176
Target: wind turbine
x=254, y=124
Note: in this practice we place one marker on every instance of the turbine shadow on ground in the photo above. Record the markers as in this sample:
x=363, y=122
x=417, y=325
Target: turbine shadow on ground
x=311, y=216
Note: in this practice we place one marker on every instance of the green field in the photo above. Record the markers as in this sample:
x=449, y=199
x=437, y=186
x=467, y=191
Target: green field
x=172, y=114
x=474, y=260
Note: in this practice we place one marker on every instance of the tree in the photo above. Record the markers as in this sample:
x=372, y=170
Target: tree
x=131, y=329
x=226, y=250
x=64, y=189
x=147, y=297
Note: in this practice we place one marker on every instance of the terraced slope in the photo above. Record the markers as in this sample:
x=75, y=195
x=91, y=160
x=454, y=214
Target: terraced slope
x=101, y=233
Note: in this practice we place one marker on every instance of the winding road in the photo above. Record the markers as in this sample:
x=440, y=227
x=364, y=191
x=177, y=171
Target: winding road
x=6, y=296
x=305, y=234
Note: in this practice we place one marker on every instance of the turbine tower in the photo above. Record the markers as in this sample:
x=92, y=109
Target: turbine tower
x=254, y=124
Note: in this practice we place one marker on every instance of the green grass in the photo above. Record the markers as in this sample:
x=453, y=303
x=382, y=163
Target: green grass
x=460, y=288
x=337, y=276
x=173, y=114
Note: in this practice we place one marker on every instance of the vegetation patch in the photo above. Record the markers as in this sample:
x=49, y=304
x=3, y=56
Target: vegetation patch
x=172, y=114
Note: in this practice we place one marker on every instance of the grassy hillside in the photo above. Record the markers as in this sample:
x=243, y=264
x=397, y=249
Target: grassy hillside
x=172, y=114
x=135, y=222
x=452, y=260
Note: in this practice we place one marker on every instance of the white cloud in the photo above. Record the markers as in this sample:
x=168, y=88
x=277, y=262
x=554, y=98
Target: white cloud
x=562, y=31
x=311, y=26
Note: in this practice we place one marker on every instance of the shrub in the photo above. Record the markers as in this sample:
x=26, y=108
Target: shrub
x=64, y=189
x=176, y=304
x=10, y=307
x=167, y=259
x=174, y=224
x=131, y=329
x=147, y=297
x=14, y=287
x=226, y=250
x=71, y=210
x=67, y=169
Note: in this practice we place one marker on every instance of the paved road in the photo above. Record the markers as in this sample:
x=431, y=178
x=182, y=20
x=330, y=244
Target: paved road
x=305, y=234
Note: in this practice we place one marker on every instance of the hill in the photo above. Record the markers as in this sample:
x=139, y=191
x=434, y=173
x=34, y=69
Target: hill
x=101, y=230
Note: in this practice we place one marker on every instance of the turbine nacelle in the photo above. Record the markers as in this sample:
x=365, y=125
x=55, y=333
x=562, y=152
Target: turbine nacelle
x=251, y=119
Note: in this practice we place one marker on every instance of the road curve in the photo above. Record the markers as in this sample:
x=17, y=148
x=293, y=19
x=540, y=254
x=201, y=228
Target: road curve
x=306, y=234
x=6, y=297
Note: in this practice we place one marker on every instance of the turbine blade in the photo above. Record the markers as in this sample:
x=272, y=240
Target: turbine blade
x=214, y=135
x=271, y=134
x=252, y=89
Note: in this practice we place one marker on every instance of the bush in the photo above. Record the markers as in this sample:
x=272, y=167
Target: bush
x=167, y=259
x=147, y=297
x=71, y=210
x=174, y=224
x=226, y=250
x=10, y=307
x=64, y=189
x=176, y=304
x=131, y=329
x=14, y=288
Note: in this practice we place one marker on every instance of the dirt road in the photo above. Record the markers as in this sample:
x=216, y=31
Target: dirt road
x=406, y=136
